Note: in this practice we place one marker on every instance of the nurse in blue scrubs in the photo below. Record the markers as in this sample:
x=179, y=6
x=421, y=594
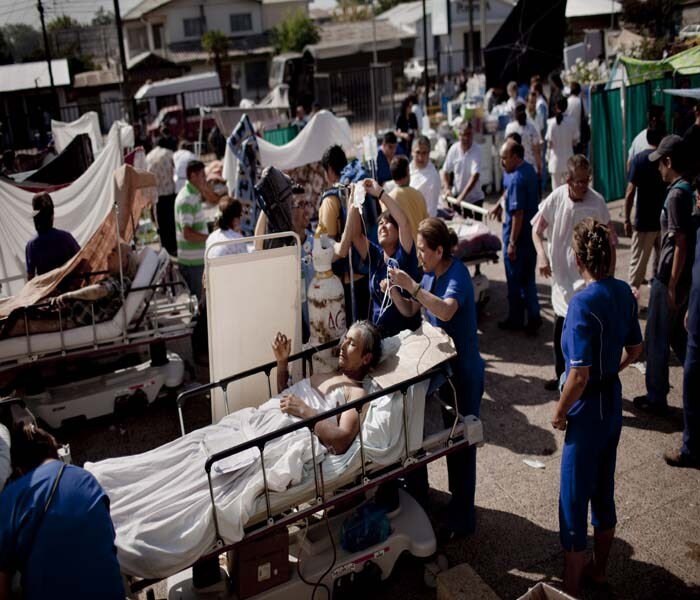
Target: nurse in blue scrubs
x=395, y=248
x=447, y=295
x=601, y=336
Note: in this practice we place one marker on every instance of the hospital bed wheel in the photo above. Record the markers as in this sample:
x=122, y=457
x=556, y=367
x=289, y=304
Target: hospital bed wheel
x=433, y=569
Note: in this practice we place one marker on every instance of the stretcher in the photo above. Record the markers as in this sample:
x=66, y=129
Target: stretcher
x=291, y=515
x=477, y=246
x=156, y=308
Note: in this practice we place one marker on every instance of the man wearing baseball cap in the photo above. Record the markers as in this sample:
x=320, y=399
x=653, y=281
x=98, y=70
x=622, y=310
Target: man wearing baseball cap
x=669, y=290
x=51, y=247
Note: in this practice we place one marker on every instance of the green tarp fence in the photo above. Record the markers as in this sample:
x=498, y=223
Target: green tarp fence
x=608, y=148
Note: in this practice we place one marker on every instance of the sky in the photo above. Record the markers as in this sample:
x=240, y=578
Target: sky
x=25, y=11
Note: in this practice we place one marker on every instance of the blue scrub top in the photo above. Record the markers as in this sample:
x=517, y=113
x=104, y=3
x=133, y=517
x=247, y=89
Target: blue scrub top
x=67, y=552
x=383, y=170
x=469, y=368
x=600, y=322
x=392, y=321
x=522, y=194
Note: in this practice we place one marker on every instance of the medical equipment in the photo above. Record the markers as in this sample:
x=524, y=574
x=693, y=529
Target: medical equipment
x=326, y=301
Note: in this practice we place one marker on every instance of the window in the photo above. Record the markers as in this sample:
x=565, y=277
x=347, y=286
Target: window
x=158, y=37
x=137, y=39
x=194, y=27
x=241, y=22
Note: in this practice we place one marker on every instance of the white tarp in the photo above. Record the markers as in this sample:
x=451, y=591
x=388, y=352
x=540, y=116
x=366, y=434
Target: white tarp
x=321, y=132
x=80, y=208
x=685, y=93
x=64, y=132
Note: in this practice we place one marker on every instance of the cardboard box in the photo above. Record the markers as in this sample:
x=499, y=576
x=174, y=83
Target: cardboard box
x=544, y=591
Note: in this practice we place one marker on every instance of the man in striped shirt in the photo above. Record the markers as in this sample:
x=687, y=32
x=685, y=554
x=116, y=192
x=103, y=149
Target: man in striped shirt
x=191, y=228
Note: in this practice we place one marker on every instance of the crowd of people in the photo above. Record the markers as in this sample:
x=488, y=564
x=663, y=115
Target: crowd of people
x=404, y=270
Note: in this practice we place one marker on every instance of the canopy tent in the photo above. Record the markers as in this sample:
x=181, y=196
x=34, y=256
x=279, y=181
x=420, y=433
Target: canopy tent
x=629, y=71
x=685, y=93
x=530, y=42
x=65, y=167
x=79, y=208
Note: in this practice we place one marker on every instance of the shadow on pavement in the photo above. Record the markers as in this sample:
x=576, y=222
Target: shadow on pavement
x=669, y=423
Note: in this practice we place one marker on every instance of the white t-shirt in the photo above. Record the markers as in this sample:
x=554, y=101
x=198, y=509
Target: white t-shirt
x=5, y=463
x=222, y=235
x=561, y=139
x=639, y=144
x=529, y=136
x=181, y=158
x=573, y=109
x=427, y=182
x=560, y=214
x=464, y=165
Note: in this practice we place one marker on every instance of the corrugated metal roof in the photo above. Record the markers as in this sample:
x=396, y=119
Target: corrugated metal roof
x=33, y=75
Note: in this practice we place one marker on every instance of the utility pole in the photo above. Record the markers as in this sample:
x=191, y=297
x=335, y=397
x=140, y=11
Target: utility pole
x=47, y=50
x=426, y=78
x=122, y=53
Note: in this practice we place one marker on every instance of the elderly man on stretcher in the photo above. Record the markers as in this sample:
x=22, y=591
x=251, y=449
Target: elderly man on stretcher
x=160, y=502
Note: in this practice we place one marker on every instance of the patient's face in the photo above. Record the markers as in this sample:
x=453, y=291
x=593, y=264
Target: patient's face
x=352, y=351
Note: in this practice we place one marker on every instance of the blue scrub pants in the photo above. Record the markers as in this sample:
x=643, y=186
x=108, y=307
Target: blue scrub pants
x=588, y=467
x=522, y=290
x=664, y=330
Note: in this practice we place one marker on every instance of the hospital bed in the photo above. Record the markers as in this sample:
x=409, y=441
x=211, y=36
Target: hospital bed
x=477, y=246
x=281, y=529
x=156, y=309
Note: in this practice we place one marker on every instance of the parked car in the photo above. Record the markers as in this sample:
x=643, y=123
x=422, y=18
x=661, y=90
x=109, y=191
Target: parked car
x=180, y=123
x=413, y=69
x=689, y=31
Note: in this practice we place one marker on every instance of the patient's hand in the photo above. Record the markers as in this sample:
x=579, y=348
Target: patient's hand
x=281, y=347
x=295, y=406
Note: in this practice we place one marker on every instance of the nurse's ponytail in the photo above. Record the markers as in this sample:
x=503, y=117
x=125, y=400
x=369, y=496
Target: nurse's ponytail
x=437, y=235
x=592, y=247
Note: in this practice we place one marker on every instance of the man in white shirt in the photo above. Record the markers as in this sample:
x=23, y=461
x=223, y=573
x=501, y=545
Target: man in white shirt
x=513, y=98
x=462, y=168
x=656, y=119
x=159, y=161
x=557, y=215
x=424, y=176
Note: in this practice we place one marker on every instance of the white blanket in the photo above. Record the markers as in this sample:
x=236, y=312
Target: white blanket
x=80, y=208
x=160, y=501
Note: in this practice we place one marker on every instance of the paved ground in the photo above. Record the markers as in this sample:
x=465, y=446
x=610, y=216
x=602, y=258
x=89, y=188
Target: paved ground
x=656, y=553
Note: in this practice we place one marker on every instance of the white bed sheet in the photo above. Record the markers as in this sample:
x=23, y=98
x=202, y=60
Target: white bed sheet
x=84, y=336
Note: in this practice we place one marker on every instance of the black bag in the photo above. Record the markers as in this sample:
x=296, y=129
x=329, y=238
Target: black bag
x=274, y=197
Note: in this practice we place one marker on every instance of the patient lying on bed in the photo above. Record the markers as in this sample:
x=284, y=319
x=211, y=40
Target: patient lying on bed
x=160, y=502
x=103, y=299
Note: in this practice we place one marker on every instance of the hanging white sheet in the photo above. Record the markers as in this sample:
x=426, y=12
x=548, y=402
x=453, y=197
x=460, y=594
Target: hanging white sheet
x=88, y=123
x=80, y=208
x=321, y=132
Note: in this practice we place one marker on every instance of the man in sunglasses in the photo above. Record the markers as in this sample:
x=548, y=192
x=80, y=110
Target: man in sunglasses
x=556, y=217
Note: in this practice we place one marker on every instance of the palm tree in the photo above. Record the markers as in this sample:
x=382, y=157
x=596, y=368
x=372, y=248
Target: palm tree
x=216, y=44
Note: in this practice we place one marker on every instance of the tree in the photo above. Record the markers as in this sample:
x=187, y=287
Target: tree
x=354, y=10
x=216, y=44
x=294, y=33
x=5, y=51
x=24, y=42
x=655, y=17
x=62, y=22
x=103, y=17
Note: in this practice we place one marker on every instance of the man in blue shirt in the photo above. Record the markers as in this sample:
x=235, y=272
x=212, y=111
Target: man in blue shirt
x=51, y=247
x=520, y=260
x=387, y=151
x=56, y=529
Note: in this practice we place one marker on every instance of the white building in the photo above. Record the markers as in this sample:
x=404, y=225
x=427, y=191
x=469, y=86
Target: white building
x=173, y=29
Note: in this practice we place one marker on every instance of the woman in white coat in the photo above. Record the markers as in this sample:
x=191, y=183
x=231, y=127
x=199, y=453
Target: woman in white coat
x=562, y=135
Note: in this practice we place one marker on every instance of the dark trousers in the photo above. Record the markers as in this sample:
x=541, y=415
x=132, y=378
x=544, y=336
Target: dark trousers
x=165, y=215
x=559, y=364
x=522, y=290
x=691, y=401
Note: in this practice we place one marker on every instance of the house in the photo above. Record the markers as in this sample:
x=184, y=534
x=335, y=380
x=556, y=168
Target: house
x=172, y=29
x=690, y=12
x=27, y=101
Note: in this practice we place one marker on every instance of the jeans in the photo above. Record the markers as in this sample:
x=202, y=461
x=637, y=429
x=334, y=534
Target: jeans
x=193, y=278
x=522, y=290
x=664, y=330
x=559, y=364
x=691, y=402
